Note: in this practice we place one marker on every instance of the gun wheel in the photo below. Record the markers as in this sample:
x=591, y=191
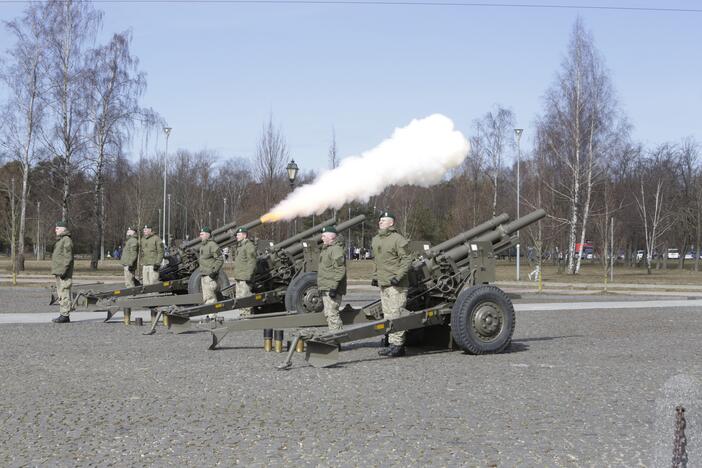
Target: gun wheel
x=482, y=320
x=195, y=286
x=302, y=295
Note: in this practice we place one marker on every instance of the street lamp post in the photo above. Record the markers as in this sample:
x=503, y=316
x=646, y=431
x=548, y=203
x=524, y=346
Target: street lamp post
x=292, y=175
x=168, y=226
x=167, y=131
x=518, y=134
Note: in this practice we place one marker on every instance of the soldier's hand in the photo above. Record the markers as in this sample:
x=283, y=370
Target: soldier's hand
x=394, y=281
x=374, y=282
x=332, y=293
x=213, y=275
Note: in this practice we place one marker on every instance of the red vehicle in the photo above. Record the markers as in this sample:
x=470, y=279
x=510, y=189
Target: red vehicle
x=587, y=248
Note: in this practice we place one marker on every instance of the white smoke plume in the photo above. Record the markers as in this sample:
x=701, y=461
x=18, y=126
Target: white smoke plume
x=419, y=154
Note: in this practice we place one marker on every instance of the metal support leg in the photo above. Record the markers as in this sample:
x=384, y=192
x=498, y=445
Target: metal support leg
x=154, y=322
x=288, y=361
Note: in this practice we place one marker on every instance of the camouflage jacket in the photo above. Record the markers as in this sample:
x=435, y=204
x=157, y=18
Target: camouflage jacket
x=62, y=257
x=331, y=272
x=392, y=259
x=151, y=250
x=210, y=258
x=244, y=260
x=130, y=254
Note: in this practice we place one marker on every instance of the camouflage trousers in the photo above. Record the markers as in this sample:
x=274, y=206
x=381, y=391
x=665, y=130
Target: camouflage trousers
x=129, y=277
x=209, y=289
x=63, y=289
x=393, y=300
x=149, y=275
x=331, y=311
x=243, y=290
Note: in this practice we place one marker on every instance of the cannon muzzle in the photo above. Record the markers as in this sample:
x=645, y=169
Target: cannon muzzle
x=467, y=235
x=296, y=249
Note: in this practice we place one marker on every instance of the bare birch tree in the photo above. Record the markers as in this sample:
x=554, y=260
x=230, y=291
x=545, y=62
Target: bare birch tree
x=114, y=85
x=22, y=75
x=577, y=128
x=69, y=30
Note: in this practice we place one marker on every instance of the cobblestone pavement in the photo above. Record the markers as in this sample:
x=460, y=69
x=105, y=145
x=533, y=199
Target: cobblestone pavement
x=577, y=388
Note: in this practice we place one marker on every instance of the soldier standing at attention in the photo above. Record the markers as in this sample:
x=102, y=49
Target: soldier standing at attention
x=331, y=276
x=392, y=261
x=151, y=256
x=129, y=258
x=210, y=261
x=244, y=266
x=62, y=269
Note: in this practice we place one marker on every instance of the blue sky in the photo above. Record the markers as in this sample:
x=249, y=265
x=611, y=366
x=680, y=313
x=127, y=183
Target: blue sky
x=216, y=71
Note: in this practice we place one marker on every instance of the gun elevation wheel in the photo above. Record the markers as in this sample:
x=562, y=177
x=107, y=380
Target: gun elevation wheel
x=482, y=320
x=302, y=295
x=195, y=285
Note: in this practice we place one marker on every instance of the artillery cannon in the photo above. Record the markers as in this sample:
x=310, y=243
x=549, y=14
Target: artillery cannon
x=178, y=276
x=449, y=301
x=285, y=278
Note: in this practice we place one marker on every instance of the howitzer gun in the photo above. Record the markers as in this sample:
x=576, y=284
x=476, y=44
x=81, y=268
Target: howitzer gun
x=285, y=279
x=449, y=300
x=430, y=266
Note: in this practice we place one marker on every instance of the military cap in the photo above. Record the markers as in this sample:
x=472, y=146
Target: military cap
x=61, y=224
x=206, y=229
x=148, y=226
x=331, y=229
x=131, y=228
x=387, y=214
x=242, y=229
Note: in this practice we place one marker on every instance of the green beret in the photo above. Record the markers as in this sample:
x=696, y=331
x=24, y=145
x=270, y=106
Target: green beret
x=329, y=229
x=61, y=224
x=206, y=229
x=242, y=229
x=387, y=214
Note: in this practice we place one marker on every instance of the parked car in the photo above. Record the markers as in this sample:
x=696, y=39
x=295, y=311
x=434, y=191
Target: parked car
x=690, y=255
x=640, y=254
x=673, y=254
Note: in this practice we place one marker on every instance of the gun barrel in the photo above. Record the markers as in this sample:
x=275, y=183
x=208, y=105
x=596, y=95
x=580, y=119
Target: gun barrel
x=467, y=235
x=303, y=235
x=501, y=232
x=296, y=249
x=221, y=234
x=226, y=237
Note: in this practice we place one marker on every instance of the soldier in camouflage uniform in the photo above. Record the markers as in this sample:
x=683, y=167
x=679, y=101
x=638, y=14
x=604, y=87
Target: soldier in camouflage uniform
x=392, y=262
x=151, y=256
x=331, y=276
x=129, y=258
x=210, y=261
x=244, y=266
x=62, y=269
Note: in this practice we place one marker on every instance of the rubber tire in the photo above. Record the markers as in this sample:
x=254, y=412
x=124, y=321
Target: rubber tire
x=297, y=289
x=171, y=267
x=195, y=285
x=462, y=314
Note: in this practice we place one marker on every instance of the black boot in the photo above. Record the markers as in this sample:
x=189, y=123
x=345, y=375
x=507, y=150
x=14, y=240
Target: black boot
x=397, y=351
x=61, y=319
x=392, y=351
x=384, y=351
